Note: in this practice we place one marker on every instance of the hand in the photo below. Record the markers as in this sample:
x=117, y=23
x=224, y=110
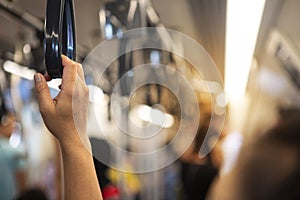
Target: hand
x=66, y=118
x=66, y=115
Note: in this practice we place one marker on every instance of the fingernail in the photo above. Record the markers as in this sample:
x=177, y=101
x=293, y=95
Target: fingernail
x=37, y=78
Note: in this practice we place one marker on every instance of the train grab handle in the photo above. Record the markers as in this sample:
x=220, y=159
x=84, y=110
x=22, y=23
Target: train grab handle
x=60, y=36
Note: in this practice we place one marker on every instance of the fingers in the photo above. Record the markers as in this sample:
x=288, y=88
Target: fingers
x=71, y=70
x=69, y=73
x=47, y=77
x=67, y=61
x=43, y=94
x=80, y=72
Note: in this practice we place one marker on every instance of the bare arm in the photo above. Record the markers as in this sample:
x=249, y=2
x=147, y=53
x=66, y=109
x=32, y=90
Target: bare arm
x=66, y=119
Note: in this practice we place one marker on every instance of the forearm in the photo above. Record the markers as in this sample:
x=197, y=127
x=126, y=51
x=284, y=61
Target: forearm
x=65, y=121
x=79, y=174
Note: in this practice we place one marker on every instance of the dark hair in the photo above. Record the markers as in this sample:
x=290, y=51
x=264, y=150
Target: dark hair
x=269, y=168
x=3, y=109
x=32, y=194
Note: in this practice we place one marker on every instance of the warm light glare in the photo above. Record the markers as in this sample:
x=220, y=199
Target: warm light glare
x=18, y=70
x=26, y=49
x=152, y=115
x=26, y=73
x=242, y=26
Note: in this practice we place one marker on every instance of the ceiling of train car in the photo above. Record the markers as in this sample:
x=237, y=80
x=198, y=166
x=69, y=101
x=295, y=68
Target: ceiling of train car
x=203, y=20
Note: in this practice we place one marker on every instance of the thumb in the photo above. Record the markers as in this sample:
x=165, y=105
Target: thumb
x=43, y=94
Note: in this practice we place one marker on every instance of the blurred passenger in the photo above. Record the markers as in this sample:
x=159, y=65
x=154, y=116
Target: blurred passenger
x=287, y=112
x=101, y=150
x=12, y=176
x=198, y=173
x=130, y=182
x=267, y=168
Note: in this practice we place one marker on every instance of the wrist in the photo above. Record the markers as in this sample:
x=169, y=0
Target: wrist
x=74, y=145
x=74, y=151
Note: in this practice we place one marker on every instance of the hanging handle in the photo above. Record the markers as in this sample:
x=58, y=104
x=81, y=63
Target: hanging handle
x=59, y=35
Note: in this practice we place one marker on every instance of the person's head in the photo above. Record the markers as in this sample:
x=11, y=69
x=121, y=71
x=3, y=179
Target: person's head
x=7, y=124
x=268, y=168
x=7, y=121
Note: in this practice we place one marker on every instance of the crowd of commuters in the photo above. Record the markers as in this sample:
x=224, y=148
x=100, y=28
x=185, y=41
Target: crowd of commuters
x=267, y=167
x=12, y=175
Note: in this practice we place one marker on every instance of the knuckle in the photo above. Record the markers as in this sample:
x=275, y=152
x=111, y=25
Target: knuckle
x=41, y=87
x=79, y=65
x=69, y=92
x=73, y=64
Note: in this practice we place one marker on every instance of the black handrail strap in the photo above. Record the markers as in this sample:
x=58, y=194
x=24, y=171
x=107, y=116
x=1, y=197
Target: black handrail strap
x=59, y=35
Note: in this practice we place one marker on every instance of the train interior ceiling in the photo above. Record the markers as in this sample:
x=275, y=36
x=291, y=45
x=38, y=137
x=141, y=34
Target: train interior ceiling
x=271, y=89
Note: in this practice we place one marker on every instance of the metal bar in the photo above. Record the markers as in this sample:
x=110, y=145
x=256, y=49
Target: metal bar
x=21, y=15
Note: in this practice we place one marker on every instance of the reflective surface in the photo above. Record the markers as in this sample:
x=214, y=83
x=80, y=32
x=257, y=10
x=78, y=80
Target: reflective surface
x=59, y=35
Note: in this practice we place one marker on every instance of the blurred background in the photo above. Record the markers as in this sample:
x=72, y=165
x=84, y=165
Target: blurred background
x=254, y=45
